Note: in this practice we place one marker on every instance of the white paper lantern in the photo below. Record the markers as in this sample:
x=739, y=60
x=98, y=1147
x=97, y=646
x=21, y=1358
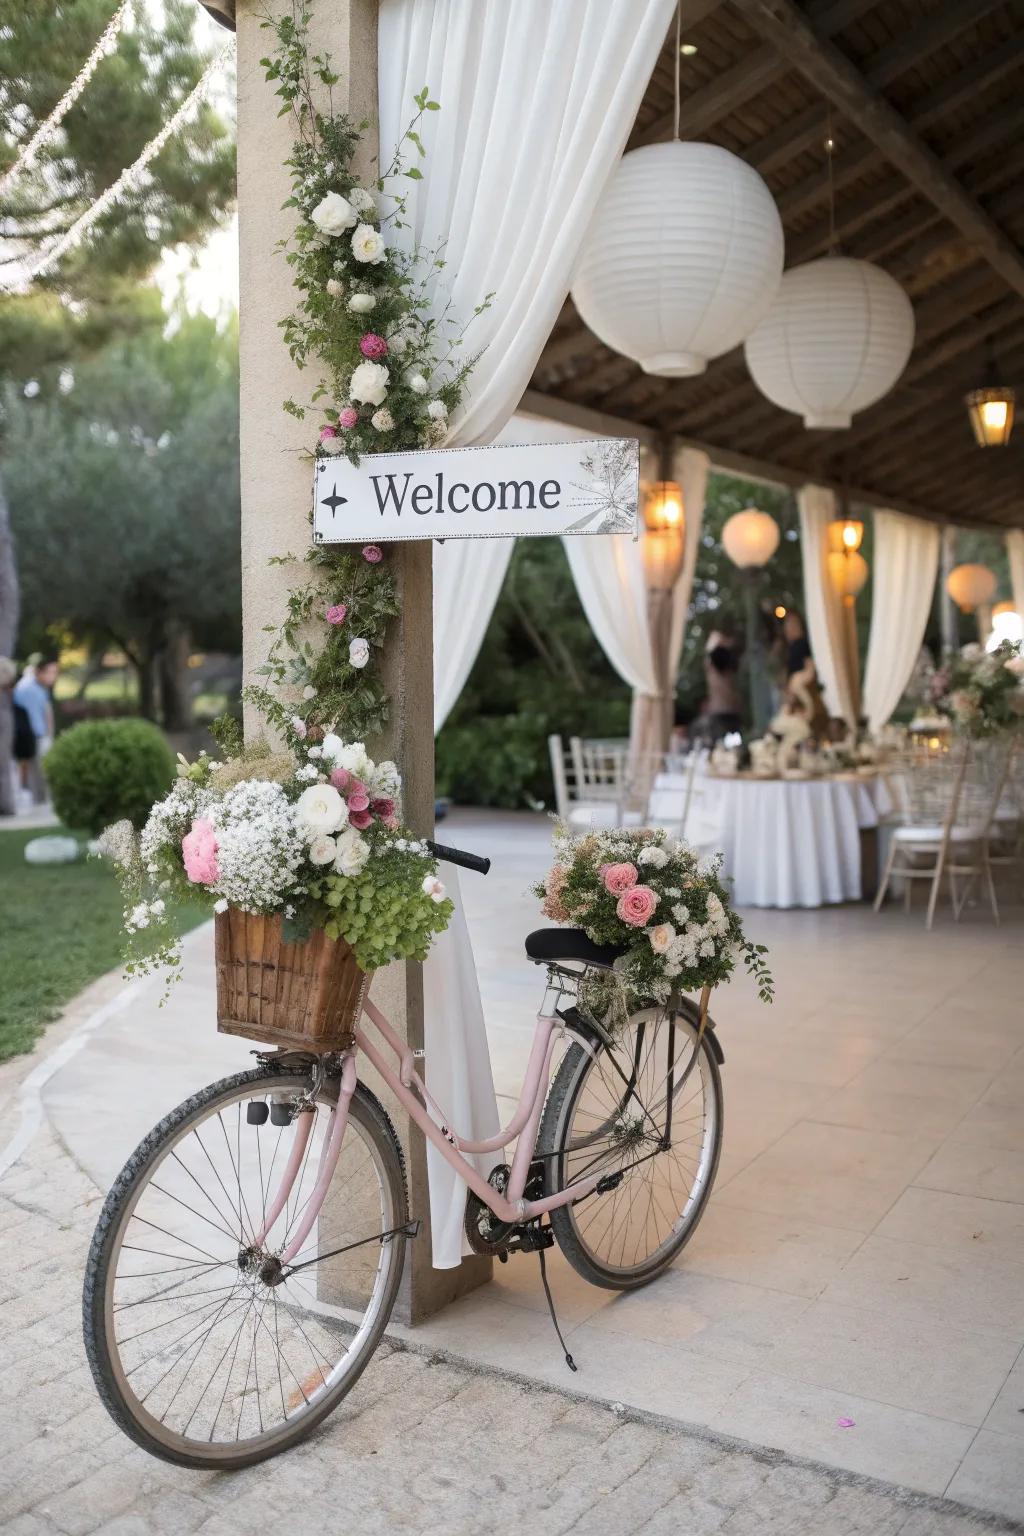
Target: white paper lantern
x=682, y=259
x=750, y=538
x=835, y=340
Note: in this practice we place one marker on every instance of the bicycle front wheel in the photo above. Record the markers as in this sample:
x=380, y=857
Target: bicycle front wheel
x=202, y=1351
x=633, y=1113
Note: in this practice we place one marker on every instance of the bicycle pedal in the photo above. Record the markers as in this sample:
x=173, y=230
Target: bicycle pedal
x=281, y=1113
x=256, y=1112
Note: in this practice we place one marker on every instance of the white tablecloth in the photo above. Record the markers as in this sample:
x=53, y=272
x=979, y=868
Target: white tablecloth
x=787, y=842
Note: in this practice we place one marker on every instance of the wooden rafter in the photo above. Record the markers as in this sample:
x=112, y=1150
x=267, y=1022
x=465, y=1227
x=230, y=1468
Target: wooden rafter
x=784, y=25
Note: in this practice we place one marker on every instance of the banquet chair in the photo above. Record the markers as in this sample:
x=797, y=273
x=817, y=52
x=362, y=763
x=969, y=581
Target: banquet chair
x=575, y=802
x=948, y=807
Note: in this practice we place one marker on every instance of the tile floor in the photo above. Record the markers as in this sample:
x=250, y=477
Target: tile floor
x=862, y=1256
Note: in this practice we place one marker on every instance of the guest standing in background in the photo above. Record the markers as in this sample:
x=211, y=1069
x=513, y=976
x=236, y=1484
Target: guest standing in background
x=33, y=724
x=721, y=664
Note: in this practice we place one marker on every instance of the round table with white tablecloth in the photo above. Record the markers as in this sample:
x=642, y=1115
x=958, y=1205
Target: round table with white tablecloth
x=786, y=842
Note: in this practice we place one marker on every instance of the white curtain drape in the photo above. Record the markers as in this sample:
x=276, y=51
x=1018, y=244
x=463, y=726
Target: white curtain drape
x=825, y=619
x=691, y=466
x=537, y=101
x=468, y=574
x=905, y=563
x=609, y=577
x=1015, y=552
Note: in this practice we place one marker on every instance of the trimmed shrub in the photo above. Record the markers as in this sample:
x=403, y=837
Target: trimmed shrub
x=105, y=770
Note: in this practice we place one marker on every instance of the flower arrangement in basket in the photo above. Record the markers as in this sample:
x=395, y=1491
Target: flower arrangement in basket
x=313, y=878
x=982, y=692
x=658, y=900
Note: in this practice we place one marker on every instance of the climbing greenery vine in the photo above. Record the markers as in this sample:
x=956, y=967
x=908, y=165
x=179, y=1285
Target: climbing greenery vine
x=390, y=368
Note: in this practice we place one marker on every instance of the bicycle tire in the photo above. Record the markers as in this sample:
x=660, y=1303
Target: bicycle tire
x=138, y=1425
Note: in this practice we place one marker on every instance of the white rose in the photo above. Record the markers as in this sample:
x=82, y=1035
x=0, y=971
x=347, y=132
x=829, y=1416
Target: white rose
x=309, y=692
x=382, y=419
x=437, y=410
x=661, y=937
x=362, y=201
x=370, y=383
x=359, y=653
x=656, y=857
x=368, y=244
x=323, y=849
x=320, y=809
x=330, y=446
x=362, y=303
x=331, y=746
x=352, y=853
x=397, y=344
x=335, y=288
x=417, y=383
x=351, y=757
x=334, y=214
x=434, y=888
x=157, y=908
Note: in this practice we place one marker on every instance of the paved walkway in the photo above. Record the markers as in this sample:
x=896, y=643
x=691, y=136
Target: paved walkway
x=863, y=1254
x=423, y=1444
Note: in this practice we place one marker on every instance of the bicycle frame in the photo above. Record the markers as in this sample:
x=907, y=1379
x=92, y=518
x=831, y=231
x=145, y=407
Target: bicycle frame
x=411, y=1092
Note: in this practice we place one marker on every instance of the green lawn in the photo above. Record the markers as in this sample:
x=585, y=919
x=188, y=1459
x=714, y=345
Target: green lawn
x=60, y=928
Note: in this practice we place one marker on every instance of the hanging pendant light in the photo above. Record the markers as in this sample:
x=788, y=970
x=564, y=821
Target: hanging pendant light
x=971, y=586
x=683, y=256
x=990, y=410
x=837, y=337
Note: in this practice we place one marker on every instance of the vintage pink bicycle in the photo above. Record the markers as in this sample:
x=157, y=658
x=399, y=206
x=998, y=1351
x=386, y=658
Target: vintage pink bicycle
x=249, y=1255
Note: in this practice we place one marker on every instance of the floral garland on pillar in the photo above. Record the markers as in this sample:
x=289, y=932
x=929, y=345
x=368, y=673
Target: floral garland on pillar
x=392, y=373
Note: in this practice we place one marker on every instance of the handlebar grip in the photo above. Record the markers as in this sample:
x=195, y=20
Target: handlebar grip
x=458, y=856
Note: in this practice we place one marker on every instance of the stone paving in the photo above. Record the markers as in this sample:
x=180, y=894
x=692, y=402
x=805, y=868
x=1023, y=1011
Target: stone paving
x=424, y=1443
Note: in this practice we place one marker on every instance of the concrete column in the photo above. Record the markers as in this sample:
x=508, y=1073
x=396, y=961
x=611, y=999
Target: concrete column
x=276, y=490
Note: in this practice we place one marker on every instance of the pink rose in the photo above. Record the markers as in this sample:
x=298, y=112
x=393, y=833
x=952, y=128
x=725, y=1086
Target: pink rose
x=360, y=819
x=199, y=851
x=326, y=433
x=357, y=799
x=372, y=554
x=336, y=614
x=373, y=346
x=348, y=417
x=636, y=907
x=619, y=877
x=340, y=778
x=383, y=808
x=391, y=822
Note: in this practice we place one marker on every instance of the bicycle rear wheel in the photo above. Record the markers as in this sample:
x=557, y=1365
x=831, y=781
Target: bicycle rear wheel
x=628, y=1109
x=203, y=1353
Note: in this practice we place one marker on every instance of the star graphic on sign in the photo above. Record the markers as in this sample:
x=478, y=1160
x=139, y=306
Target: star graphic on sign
x=334, y=501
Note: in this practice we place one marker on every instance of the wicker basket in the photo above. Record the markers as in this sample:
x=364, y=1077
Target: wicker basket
x=308, y=996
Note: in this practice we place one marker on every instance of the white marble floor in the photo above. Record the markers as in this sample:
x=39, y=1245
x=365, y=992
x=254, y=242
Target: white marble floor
x=862, y=1257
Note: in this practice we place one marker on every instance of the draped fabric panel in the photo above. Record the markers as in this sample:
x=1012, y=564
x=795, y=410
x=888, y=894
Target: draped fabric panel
x=1015, y=552
x=537, y=101
x=825, y=619
x=691, y=468
x=609, y=577
x=468, y=574
x=905, y=564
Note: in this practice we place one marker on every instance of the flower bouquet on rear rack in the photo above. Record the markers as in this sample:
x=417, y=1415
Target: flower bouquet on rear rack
x=663, y=905
x=314, y=882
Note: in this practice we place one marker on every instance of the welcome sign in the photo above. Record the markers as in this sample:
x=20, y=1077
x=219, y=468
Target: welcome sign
x=587, y=486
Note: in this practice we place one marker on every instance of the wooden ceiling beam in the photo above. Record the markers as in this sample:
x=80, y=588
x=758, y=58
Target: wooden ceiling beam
x=786, y=27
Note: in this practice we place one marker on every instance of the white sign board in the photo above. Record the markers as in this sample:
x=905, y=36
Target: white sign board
x=479, y=493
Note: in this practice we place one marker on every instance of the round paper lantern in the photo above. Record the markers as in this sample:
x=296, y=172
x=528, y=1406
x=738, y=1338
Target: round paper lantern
x=848, y=572
x=836, y=339
x=750, y=538
x=971, y=586
x=682, y=258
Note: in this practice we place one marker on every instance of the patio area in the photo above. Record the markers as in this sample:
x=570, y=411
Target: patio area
x=862, y=1258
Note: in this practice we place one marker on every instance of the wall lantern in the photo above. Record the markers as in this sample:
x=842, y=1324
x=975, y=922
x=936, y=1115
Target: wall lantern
x=663, y=537
x=990, y=412
x=971, y=586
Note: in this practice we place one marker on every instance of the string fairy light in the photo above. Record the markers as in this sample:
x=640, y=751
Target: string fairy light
x=131, y=175
x=47, y=129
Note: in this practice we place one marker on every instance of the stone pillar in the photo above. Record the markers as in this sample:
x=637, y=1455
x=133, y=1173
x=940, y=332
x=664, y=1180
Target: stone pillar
x=276, y=490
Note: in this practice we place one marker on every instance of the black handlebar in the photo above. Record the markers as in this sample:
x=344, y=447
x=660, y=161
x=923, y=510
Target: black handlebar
x=457, y=856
